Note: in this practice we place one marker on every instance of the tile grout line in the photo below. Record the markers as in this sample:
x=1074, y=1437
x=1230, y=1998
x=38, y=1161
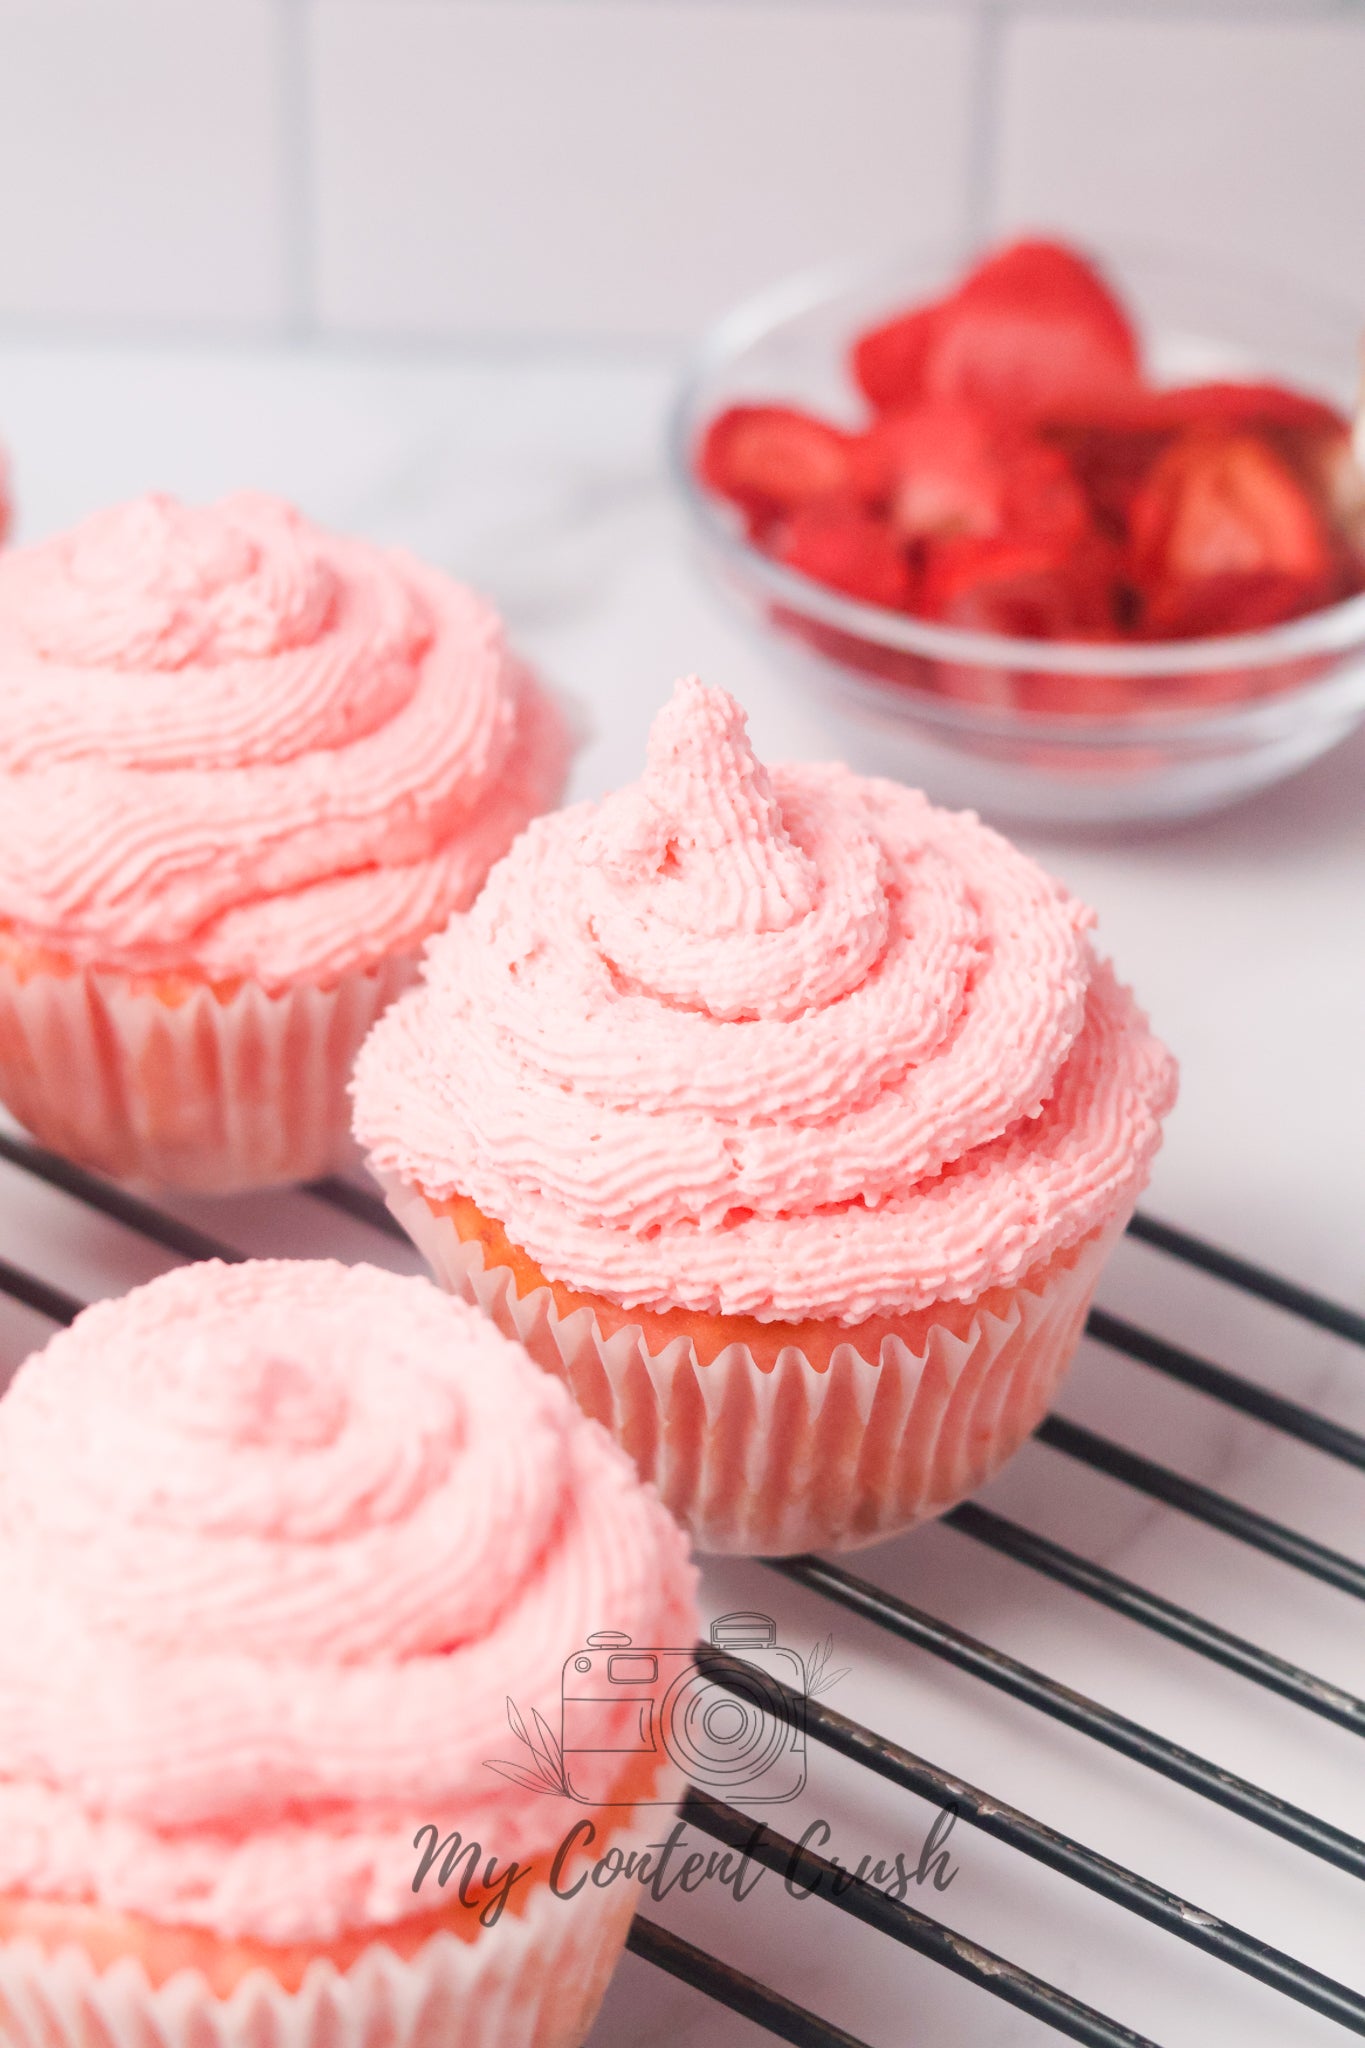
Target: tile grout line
x=297, y=209
x=983, y=146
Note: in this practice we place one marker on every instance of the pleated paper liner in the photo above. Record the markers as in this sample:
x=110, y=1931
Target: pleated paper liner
x=534, y=1980
x=182, y=1086
x=774, y=1462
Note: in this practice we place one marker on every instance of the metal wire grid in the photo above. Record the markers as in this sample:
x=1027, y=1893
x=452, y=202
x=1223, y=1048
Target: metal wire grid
x=904, y=1923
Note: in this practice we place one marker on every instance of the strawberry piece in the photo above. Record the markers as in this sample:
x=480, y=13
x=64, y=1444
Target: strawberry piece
x=1043, y=498
x=771, y=458
x=1192, y=608
x=888, y=361
x=1245, y=405
x=947, y=468
x=1028, y=589
x=1226, y=539
x=1109, y=459
x=1225, y=504
x=849, y=550
x=1033, y=326
x=934, y=469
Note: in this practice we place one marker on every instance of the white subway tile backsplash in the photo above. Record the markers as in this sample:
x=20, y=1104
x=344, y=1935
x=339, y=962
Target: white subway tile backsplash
x=1245, y=137
x=610, y=167
x=140, y=162
x=475, y=169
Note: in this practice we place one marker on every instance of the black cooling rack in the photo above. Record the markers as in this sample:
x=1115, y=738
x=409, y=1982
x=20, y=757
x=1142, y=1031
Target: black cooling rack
x=903, y=1923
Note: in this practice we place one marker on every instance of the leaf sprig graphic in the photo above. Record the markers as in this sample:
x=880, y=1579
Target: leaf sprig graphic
x=545, y=1772
x=819, y=1677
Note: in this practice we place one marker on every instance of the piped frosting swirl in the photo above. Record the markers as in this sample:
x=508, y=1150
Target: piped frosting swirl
x=787, y=1044
x=277, y=1543
x=234, y=742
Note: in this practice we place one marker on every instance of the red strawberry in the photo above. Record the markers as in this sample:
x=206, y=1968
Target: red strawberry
x=1109, y=458
x=1028, y=589
x=945, y=468
x=934, y=468
x=888, y=361
x=849, y=550
x=1220, y=504
x=1032, y=326
x=1193, y=607
x=1225, y=539
x=1244, y=405
x=771, y=458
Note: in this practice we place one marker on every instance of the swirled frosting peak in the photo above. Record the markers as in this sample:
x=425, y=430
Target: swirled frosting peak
x=277, y=1543
x=782, y=1043
x=234, y=742
x=156, y=584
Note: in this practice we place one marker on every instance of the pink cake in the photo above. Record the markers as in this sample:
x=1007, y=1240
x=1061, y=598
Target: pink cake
x=787, y=1116
x=246, y=767
x=277, y=1543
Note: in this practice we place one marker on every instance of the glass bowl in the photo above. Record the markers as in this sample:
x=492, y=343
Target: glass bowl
x=1217, y=718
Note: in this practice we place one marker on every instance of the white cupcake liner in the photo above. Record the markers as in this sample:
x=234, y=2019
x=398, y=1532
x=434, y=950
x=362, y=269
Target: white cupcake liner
x=534, y=1980
x=215, y=1096
x=769, y=1463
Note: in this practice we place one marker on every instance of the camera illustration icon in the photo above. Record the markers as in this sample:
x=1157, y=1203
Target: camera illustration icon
x=746, y=1735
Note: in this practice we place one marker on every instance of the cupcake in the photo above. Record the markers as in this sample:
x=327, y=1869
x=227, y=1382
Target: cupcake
x=785, y=1116
x=277, y=1543
x=246, y=766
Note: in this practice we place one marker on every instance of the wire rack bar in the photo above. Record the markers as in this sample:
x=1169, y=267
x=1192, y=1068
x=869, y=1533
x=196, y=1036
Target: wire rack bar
x=1150, y=1610
x=1231, y=1388
x=34, y=1293
x=359, y=1204
x=730, y=1987
x=805, y=1870
x=1033, y=1838
x=115, y=1202
x=1075, y=1710
x=1251, y=1278
x=1102, y=1454
x=802, y=1866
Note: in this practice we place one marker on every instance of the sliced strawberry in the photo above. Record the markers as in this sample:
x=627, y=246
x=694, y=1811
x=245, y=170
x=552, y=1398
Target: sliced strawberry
x=1244, y=405
x=1225, y=504
x=1028, y=589
x=1034, y=325
x=947, y=468
x=888, y=361
x=771, y=458
x=1044, y=499
x=849, y=550
x=935, y=469
x=1109, y=459
x=1194, y=607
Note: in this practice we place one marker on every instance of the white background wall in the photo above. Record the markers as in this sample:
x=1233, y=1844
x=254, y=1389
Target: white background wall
x=494, y=169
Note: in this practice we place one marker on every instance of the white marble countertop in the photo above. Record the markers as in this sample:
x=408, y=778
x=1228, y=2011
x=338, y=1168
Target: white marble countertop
x=541, y=479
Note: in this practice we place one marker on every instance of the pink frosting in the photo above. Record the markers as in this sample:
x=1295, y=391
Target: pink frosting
x=277, y=1543
x=233, y=741
x=786, y=1044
